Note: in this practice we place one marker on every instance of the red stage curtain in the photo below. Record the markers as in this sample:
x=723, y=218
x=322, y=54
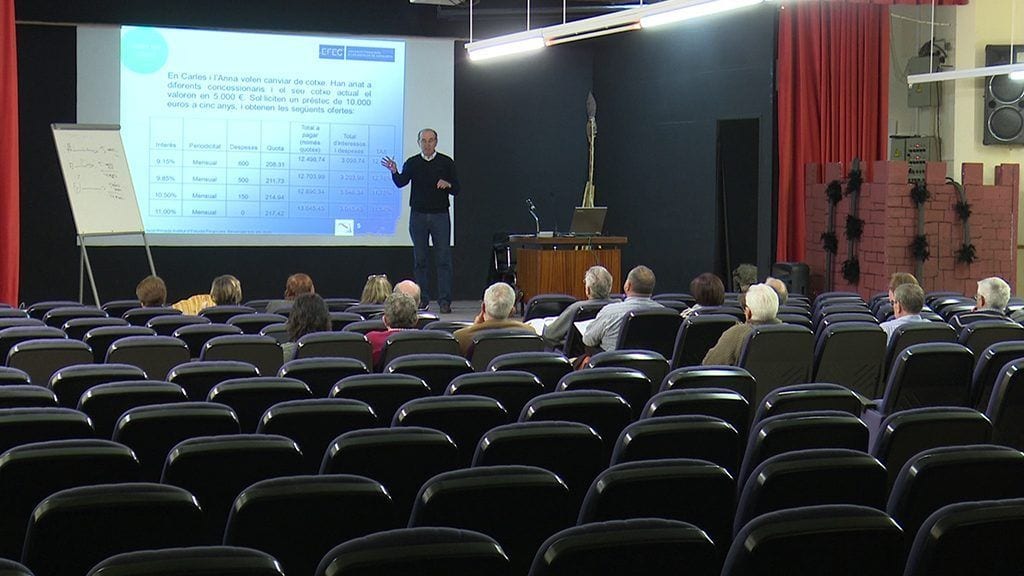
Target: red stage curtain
x=833, y=98
x=10, y=230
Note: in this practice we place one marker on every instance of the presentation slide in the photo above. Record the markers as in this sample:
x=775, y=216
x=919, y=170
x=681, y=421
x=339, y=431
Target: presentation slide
x=257, y=138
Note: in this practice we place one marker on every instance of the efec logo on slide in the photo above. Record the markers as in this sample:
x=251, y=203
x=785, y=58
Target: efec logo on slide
x=143, y=50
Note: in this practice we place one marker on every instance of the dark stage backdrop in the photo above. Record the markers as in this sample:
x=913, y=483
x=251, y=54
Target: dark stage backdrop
x=519, y=134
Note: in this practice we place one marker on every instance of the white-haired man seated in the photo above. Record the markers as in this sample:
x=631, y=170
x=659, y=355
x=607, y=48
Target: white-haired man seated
x=597, y=283
x=760, y=307
x=499, y=300
x=990, y=303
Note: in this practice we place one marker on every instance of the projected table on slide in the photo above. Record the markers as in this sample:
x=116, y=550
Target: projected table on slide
x=274, y=169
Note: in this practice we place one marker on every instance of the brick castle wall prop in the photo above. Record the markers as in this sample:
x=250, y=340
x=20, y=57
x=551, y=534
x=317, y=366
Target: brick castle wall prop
x=890, y=224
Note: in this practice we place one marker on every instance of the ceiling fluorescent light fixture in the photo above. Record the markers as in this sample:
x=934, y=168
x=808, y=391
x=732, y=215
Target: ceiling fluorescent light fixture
x=662, y=13
x=1016, y=72
x=645, y=15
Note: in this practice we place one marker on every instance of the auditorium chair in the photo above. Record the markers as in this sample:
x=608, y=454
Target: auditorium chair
x=12, y=568
x=828, y=540
x=198, y=378
x=77, y=327
x=418, y=342
x=801, y=431
x=25, y=395
x=777, y=355
x=907, y=335
x=650, y=363
x=151, y=431
x=367, y=311
x=641, y=546
x=313, y=424
x=794, y=319
x=384, y=393
x=512, y=388
x=547, y=305
x=260, y=304
x=729, y=377
x=30, y=473
x=39, y=309
x=420, y=551
x=228, y=561
x=401, y=459
x=40, y=359
x=700, y=437
x=961, y=320
x=941, y=476
x=606, y=412
x=652, y=329
x=71, y=382
x=341, y=319
x=818, y=316
x=166, y=325
x=464, y=418
x=935, y=374
x=676, y=305
x=279, y=332
x=519, y=506
x=728, y=405
x=105, y=403
x=727, y=309
x=437, y=370
x=101, y=338
x=978, y=336
x=683, y=297
x=221, y=314
x=217, y=468
x=989, y=367
x=13, y=376
x=340, y=304
x=77, y=528
x=56, y=317
x=811, y=478
x=156, y=355
x=907, y=433
x=11, y=336
x=254, y=322
x=139, y=316
x=632, y=385
x=573, y=346
x=694, y=491
x=447, y=325
x=970, y=538
x=795, y=309
x=251, y=397
x=299, y=519
x=809, y=397
x=573, y=451
x=117, y=308
x=1006, y=407
x=321, y=374
x=197, y=335
x=548, y=367
x=20, y=426
x=365, y=326
x=263, y=352
x=22, y=322
x=424, y=318
x=884, y=312
x=697, y=335
x=342, y=344
x=7, y=312
x=486, y=345
x=844, y=317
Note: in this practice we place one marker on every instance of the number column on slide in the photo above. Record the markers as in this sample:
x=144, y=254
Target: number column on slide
x=309, y=171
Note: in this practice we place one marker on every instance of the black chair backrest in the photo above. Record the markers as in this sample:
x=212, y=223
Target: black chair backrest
x=117, y=308
x=263, y=352
x=422, y=551
x=809, y=397
x=437, y=370
x=385, y=393
x=40, y=359
x=341, y=319
x=314, y=423
x=700, y=437
x=139, y=316
x=321, y=374
x=251, y=397
x=198, y=378
x=464, y=418
x=915, y=333
x=633, y=385
x=221, y=314
x=157, y=355
x=652, y=329
x=970, y=538
x=978, y=336
x=14, y=395
x=544, y=305
x=56, y=317
x=548, y=367
x=20, y=426
x=105, y=403
x=486, y=345
x=230, y=561
x=11, y=336
x=728, y=405
x=935, y=374
x=777, y=355
x=650, y=363
x=418, y=342
x=850, y=354
x=252, y=323
x=573, y=339
x=606, y=412
x=728, y=377
x=77, y=327
x=1006, y=407
x=697, y=335
x=512, y=388
x=166, y=325
x=343, y=344
x=988, y=367
x=70, y=383
x=196, y=336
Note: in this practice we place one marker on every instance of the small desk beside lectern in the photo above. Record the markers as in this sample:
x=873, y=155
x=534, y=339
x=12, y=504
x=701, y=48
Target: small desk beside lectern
x=546, y=265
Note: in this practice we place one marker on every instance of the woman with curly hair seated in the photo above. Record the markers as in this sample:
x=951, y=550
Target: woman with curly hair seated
x=309, y=314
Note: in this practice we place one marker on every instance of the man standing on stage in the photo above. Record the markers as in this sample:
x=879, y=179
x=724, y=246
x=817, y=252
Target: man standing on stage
x=433, y=179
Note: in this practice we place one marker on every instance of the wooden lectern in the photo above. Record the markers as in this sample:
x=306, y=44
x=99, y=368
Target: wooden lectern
x=557, y=265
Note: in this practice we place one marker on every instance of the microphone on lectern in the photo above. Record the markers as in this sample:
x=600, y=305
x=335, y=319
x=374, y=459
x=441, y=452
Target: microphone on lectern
x=533, y=212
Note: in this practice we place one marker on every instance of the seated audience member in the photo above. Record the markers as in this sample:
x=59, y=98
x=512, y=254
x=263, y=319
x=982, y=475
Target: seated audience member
x=908, y=300
x=376, y=289
x=151, y=292
x=412, y=290
x=708, y=290
x=990, y=303
x=597, y=284
x=499, y=300
x=780, y=289
x=297, y=285
x=225, y=290
x=603, y=331
x=760, y=307
x=400, y=313
x=744, y=276
x=309, y=314
x=898, y=279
